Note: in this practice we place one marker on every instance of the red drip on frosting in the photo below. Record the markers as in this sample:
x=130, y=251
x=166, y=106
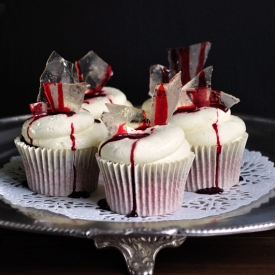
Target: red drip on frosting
x=72, y=137
x=219, y=149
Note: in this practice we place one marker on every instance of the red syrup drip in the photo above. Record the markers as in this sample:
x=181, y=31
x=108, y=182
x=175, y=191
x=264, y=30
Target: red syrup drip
x=219, y=150
x=201, y=57
x=161, y=110
x=72, y=137
x=77, y=194
x=28, y=129
x=133, y=212
x=103, y=205
x=216, y=189
x=79, y=74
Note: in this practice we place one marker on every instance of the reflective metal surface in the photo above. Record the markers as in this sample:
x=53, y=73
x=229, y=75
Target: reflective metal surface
x=256, y=217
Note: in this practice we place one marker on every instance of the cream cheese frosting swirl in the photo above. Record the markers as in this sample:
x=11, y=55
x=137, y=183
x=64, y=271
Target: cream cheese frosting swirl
x=156, y=144
x=64, y=131
x=199, y=126
x=96, y=104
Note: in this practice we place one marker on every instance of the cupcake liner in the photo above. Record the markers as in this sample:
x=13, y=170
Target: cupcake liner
x=59, y=172
x=203, y=171
x=158, y=188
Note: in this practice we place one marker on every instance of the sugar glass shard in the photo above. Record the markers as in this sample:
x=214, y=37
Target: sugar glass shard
x=228, y=100
x=115, y=123
x=93, y=70
x=64, y=97
x=159, y=74
x=189, y=60
x=39, y=109
x=57, y=70
x=130, y=114
x=202, y=79
x=165, y=100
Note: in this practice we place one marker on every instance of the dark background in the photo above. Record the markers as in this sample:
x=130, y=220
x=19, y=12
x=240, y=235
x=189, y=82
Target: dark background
x=132, y=35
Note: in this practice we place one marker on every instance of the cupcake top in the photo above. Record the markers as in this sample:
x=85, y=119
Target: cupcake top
x=204, y=114
x=137, y=140
x=58, y=120
x=64, y=131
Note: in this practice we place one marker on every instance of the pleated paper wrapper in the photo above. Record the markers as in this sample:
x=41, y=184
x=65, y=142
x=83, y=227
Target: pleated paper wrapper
x=203, y=171
x=59, y=172
x=159, y=188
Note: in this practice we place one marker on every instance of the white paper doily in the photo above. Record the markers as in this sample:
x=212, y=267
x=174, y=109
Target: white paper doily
x=258, y=178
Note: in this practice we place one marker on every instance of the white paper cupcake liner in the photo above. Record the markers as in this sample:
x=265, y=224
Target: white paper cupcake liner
x=203, y=171
x=59, y=172
x=159, y=188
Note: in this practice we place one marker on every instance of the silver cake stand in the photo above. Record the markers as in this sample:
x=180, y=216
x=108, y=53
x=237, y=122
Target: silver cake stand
x=140, y=242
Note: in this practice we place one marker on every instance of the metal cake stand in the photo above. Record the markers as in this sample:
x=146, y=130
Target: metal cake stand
x=140, y=242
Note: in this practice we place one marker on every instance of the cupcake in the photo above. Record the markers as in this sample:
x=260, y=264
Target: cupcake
x=216, y=137
x=188, y=60
x=92, y=70
x=145, y=163
x=59, y=142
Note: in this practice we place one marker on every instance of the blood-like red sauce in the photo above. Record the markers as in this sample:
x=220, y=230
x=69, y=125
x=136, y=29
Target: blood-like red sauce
x=72, y=137
x=216, y=189
x=161, y=110
x=117, y=137
x=79, y=74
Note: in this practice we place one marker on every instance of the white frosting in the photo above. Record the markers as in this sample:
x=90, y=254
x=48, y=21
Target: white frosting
x=58, y=131
x=199, y=130
x=96, y=106
x=163, y=144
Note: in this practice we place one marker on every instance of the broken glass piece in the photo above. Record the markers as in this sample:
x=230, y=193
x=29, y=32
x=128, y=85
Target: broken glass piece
x=165, y=100
x=159, y=74
x=38, y=109
x=130, y=114
x=133, y=117
x=189, y=60
x=64, y=97
x=202, y=79
x=93, y=70
x=115, y=123
x=57, y=70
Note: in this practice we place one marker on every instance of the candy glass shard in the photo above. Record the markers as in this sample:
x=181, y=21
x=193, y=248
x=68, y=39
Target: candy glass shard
x=228, y=100
x=57, y=70
x=158, y=74
x=38, y=109
x=189, y=60
x=173, y=93
x=115, y=123
x=130, y=114
x=64, y=97
x=93, y=70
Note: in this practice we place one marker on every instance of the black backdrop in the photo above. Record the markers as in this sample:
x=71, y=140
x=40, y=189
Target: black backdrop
x=132, y=35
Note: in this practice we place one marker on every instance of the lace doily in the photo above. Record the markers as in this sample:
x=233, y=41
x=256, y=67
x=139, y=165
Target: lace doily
x=257, y=173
